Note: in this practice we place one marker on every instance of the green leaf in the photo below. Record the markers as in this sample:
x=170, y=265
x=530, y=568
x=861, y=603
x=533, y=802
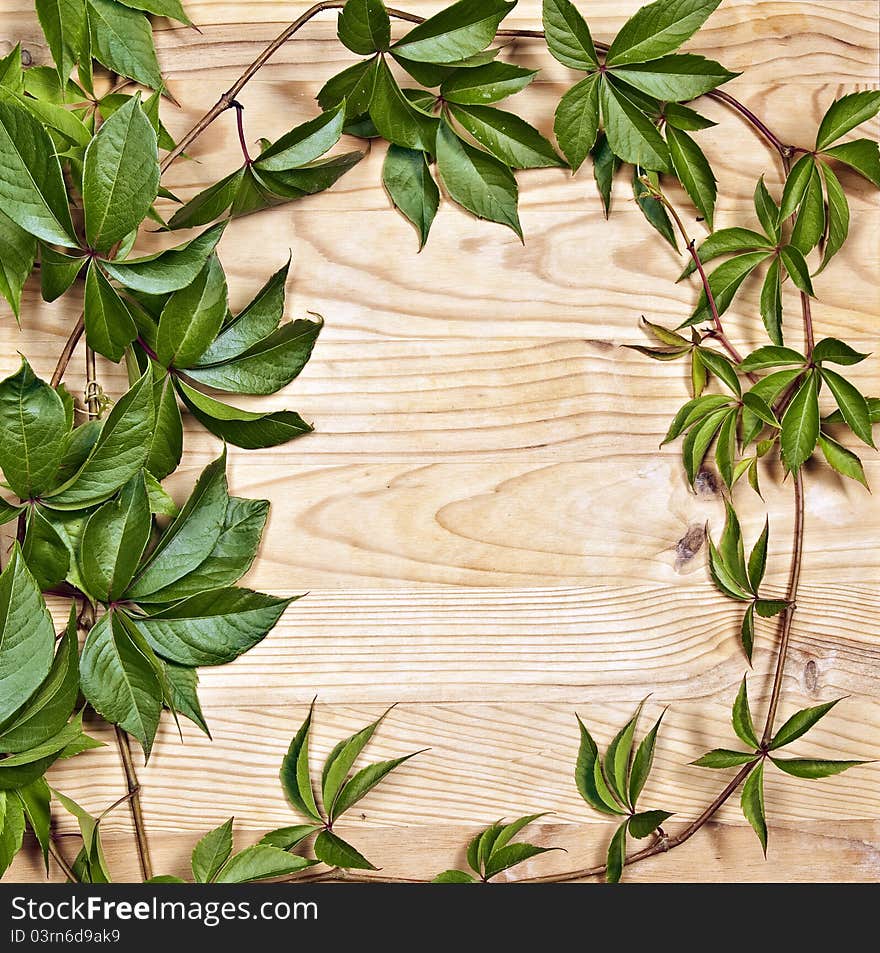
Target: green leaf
x=795, y=186
x=771, y=302
x=364, y=26
x=211, y=853
x=477, y=181
x=192, y=317
x=210, y=203
x=837, y=352
x=32, y=189
x=35, y=798
x=616, y=854
x=863, y=155
x=340, y=760
x=657, y=29
x=453, y=877
x=617, y=759
x=836, y=417
x=169, y=270
x=32, y=425
x=721, y=367
x=18, y=249
x=511, y=855
x=57, y=272
x=110, y=327
x=166, y=446
x=27, y=637
x=481, y=85
x=800, y=723
x=46, y=712
x=725, y=576
x=254, y=323
x=119, y=681
x=809, y=228
x=838, y=216
x=631, y=135
x=11, y=75
x=267, y=366
x=676, y=78
x=813, y=768
x=116, y=456
x=182, y=685
x=260, y=862
x=641, y=825
x=725, y=281
x=845, y=114
x=758, y=558
x=852, y=405
x=585, y=772
x=231, y=557
x=160, y=8
x=120, y=176
x=758, y=408
x=693, y=171
x=752, y=801
x=63, y=23
x=305, y=143
x=286, y=838
x=725, y=241
x=335, y=852
x=212, y=628
x=90, y=866
x=767, y=608
x=44, y=551
x=641, y=766
x=243, y=428
x=191, y=538
x=605, y=164
x=697, y=442
x=295, y=775
x=114, y=540
x=122, y=40
x=568, y=36
x=354, y=86
x=842, y=460
x=11, y=828
x=767, y=210
x=396, y=118
x=465, y=28
x=730, y=547
x=507, y=137
x=684, y=118
x=800, y=425
x=577, y=119
x=771, y=356
x=724, y=758
x=408, y=181
x=742, y=717
x=362, y=783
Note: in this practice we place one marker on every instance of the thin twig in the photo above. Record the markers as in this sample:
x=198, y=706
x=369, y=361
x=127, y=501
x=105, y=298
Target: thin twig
x=134, y=802
x=67, y=351
x=59, y=859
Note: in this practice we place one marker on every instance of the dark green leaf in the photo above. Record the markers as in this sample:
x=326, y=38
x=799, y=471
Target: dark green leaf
x=631, y=135
x=335, y=852
x=657, y=29
x=837, y=352
x=183, y=684
x=752, y=801
x=364, y=26
x=577, y=120
x=652, y=208
x=730, y=547
x=453, y=877
x=814, y=768
x=35, y=798
x=842, y=459
x=295, y=775
x=511, y=855
x=725, y=241
x=340, y=760
x=616, y=854
x=408, y=181
x=208, y=204
x=18, y=249
x=676, y=78
x=260, y=862
x=698, y=440
x=725, y=448
x=57, y=272
x=11, y=828
x=641, y=825
x=110, y=327
x=305, y=143
x=721, y=367
x=693, y=171
x=396, y=118
x=747, y=632
x=119, y=681
x=771, y=356
x=122, y=40
x=725, y=281
x=211, y=853
x=845, y=114
x=742, y=717
x=863, y=155
x=477, y=181
x=44, y=551
x=800, y=723
x=362, y=783
x=353, y=85
x=810, y=224
x=161, y=8
x=767, y=608
x=63, y=23
x=795, y=186
x=286, y=838
x=585, y=772
x=456, y=32
x=481, y=85
x=192, y=317
x=617, y=759
x=568, y=36
x=758, y=558
x=760, y=409
x=767, y=210
x=32, y=188
x=682, y=117
x=605, y=164
x=243, y=428
x=166, y=446
x=724, y=758
x=800, y=425
x=771, y=302
x=507, y=137
x=212, y=628
x=641, y=766
x=852, y=405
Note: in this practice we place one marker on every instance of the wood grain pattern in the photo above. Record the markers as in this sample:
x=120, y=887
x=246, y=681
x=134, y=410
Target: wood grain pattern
x=488, y=531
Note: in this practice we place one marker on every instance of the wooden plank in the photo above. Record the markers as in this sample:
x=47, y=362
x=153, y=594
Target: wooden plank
x=488, y=531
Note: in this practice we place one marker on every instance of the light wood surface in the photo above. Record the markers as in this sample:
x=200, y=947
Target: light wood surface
x=487, y=530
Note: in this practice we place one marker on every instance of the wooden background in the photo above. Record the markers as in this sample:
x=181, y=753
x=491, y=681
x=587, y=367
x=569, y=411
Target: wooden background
x=486, y=528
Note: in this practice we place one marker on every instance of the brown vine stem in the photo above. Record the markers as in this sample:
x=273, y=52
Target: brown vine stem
x=134, y=802
x=67, y=352
x=59, y=859
x=227, y=99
